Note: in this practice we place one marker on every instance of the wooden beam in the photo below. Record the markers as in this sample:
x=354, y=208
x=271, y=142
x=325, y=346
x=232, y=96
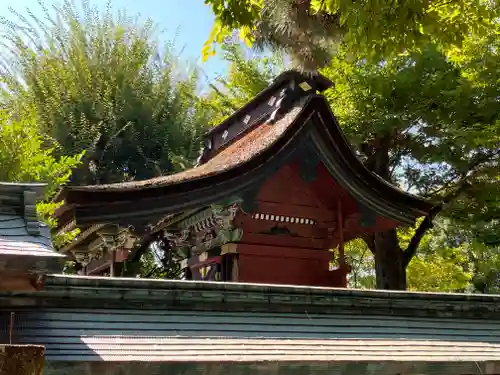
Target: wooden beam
x=285, y=241
x=310, y=212
x=261, y=226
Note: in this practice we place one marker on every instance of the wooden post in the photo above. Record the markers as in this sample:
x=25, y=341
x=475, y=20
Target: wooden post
x=21, y=359
x=112, y=265
x=11, y=327
x=340, y=227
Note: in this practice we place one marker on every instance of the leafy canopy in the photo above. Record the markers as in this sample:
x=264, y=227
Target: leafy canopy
x=309, y=30
x=25, y=156
x=245, y=78
x=438, y=120
x=100, y=82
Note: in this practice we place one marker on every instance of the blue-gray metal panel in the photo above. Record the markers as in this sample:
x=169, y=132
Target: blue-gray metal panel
x=16, y=241
x=137, y=335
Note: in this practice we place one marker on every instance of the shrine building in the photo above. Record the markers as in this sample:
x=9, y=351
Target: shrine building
x=276, y=193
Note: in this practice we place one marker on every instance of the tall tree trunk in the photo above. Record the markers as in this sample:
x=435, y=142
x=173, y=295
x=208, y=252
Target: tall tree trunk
x=390, y=269
x=390, y=261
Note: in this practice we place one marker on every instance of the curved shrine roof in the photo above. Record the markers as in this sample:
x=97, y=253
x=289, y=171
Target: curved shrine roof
x=251, y=144
x=253, y=152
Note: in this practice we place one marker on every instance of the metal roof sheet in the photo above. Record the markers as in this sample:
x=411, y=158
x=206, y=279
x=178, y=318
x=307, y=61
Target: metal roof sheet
x=15, y=239
x=86, y=322
x=25, y=243
x=165, y=336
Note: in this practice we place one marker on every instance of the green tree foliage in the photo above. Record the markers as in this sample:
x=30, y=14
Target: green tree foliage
x=25, y=156
x=246, y=77
x=362, y=264
x=310, y=29
x=101, y=83
x=441, y=264
x=158, y=262
x=427, y=124
x=450, y=259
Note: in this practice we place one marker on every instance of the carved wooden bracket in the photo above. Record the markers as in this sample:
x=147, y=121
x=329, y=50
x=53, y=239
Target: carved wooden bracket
x=210, y=230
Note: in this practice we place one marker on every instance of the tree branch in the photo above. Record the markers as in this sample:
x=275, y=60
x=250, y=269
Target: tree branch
x=424, y=226
x=443, y=187
x=151, y=273
x=461, y=185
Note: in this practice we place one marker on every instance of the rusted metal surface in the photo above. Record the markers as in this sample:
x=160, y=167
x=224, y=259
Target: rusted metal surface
x=21, y=360
x=275, y=368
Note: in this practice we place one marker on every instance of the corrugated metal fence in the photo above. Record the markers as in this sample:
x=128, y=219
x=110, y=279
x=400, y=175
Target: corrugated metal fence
x=154, y=335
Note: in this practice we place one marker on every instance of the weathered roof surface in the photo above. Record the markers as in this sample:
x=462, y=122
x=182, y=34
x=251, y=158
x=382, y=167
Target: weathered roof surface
x=151, y=294
x=19, y=187
x=322, y=82
x=242, y=164
x=236, y=154
x=117, y=320
x=15, y=239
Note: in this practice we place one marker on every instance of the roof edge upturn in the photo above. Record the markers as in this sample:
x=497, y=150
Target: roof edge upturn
x=386, y=199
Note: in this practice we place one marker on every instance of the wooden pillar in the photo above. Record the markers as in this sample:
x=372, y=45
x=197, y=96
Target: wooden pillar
x=340, y=227
x=230, y=250
x=21, y=359
x=112, y=264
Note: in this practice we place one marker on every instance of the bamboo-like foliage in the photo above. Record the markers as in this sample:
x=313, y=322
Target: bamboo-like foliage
x=101, y=82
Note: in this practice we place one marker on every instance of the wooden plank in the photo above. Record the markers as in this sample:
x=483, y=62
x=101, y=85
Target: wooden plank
x=311, y=212
x=357, y=322
x=284, y=241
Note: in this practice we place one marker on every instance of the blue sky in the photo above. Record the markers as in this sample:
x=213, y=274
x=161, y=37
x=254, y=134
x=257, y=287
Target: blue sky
x=191, y=18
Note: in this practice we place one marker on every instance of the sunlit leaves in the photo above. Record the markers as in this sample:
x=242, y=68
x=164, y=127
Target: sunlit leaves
x=100, y=82
x=25, y=156
x=436, y=272
x=443, y=263
x=370, y=29
x=362, y=264
x=231, y=15
x=246, y=77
